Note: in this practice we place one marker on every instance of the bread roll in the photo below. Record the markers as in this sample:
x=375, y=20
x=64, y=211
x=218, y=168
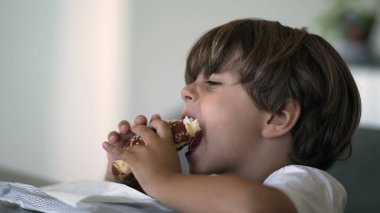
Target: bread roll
x=184, y=131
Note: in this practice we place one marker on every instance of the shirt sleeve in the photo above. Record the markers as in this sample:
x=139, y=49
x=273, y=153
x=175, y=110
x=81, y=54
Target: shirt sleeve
x=310, y=189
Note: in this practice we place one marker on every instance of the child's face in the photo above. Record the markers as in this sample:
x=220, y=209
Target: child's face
x=230, y=121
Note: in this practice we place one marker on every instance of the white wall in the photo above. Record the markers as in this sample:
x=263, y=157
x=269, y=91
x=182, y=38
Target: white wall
x=62, y=85
x=70, y=70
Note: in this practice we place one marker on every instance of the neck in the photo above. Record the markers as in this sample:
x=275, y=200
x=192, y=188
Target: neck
x=274, y=154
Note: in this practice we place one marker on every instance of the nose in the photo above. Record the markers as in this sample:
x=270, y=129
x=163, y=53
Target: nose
x=187, y=94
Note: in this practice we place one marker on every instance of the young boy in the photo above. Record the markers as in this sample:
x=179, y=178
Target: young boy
x=277, y=106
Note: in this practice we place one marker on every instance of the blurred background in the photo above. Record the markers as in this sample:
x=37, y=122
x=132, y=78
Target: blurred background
x=71, y=70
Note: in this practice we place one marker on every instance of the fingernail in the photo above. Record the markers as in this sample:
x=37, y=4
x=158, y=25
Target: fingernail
x=124, y=129
x=113, y=138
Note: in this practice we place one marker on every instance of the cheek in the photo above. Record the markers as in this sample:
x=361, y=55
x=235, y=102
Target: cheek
x=224, y=125
x=227, y=115
x=233, y=119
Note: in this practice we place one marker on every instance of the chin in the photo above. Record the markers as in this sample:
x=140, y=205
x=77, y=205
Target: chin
x=199, y=169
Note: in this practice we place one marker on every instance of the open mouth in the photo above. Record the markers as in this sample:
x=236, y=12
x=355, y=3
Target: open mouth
x=193, y=128
x=194, y=144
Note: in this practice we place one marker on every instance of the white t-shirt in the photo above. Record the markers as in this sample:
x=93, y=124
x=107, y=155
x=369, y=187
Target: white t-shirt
x=310, y=189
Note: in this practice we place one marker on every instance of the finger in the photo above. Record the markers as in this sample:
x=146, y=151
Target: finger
x=146, y=133
x=141, y=120
x=124, y=127
x=154, y=117
x=125, y=133
x=162, y=128
x=113, y=137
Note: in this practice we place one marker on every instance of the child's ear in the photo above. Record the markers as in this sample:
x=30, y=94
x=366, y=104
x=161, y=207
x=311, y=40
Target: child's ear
x=282, y=122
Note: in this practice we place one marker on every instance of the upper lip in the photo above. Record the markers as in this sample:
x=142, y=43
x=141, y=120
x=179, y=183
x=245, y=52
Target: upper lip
x=188, y=115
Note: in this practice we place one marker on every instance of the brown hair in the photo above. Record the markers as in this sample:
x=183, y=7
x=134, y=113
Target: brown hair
x=278, y=63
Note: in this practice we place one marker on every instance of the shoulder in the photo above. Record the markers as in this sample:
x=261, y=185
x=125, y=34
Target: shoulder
x=310, y=189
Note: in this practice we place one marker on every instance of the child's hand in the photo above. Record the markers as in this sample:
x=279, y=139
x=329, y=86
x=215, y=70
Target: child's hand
x=121, y=139
x=153, y=162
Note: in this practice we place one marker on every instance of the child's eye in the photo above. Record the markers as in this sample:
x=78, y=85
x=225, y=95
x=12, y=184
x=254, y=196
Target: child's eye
x=212, y=83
